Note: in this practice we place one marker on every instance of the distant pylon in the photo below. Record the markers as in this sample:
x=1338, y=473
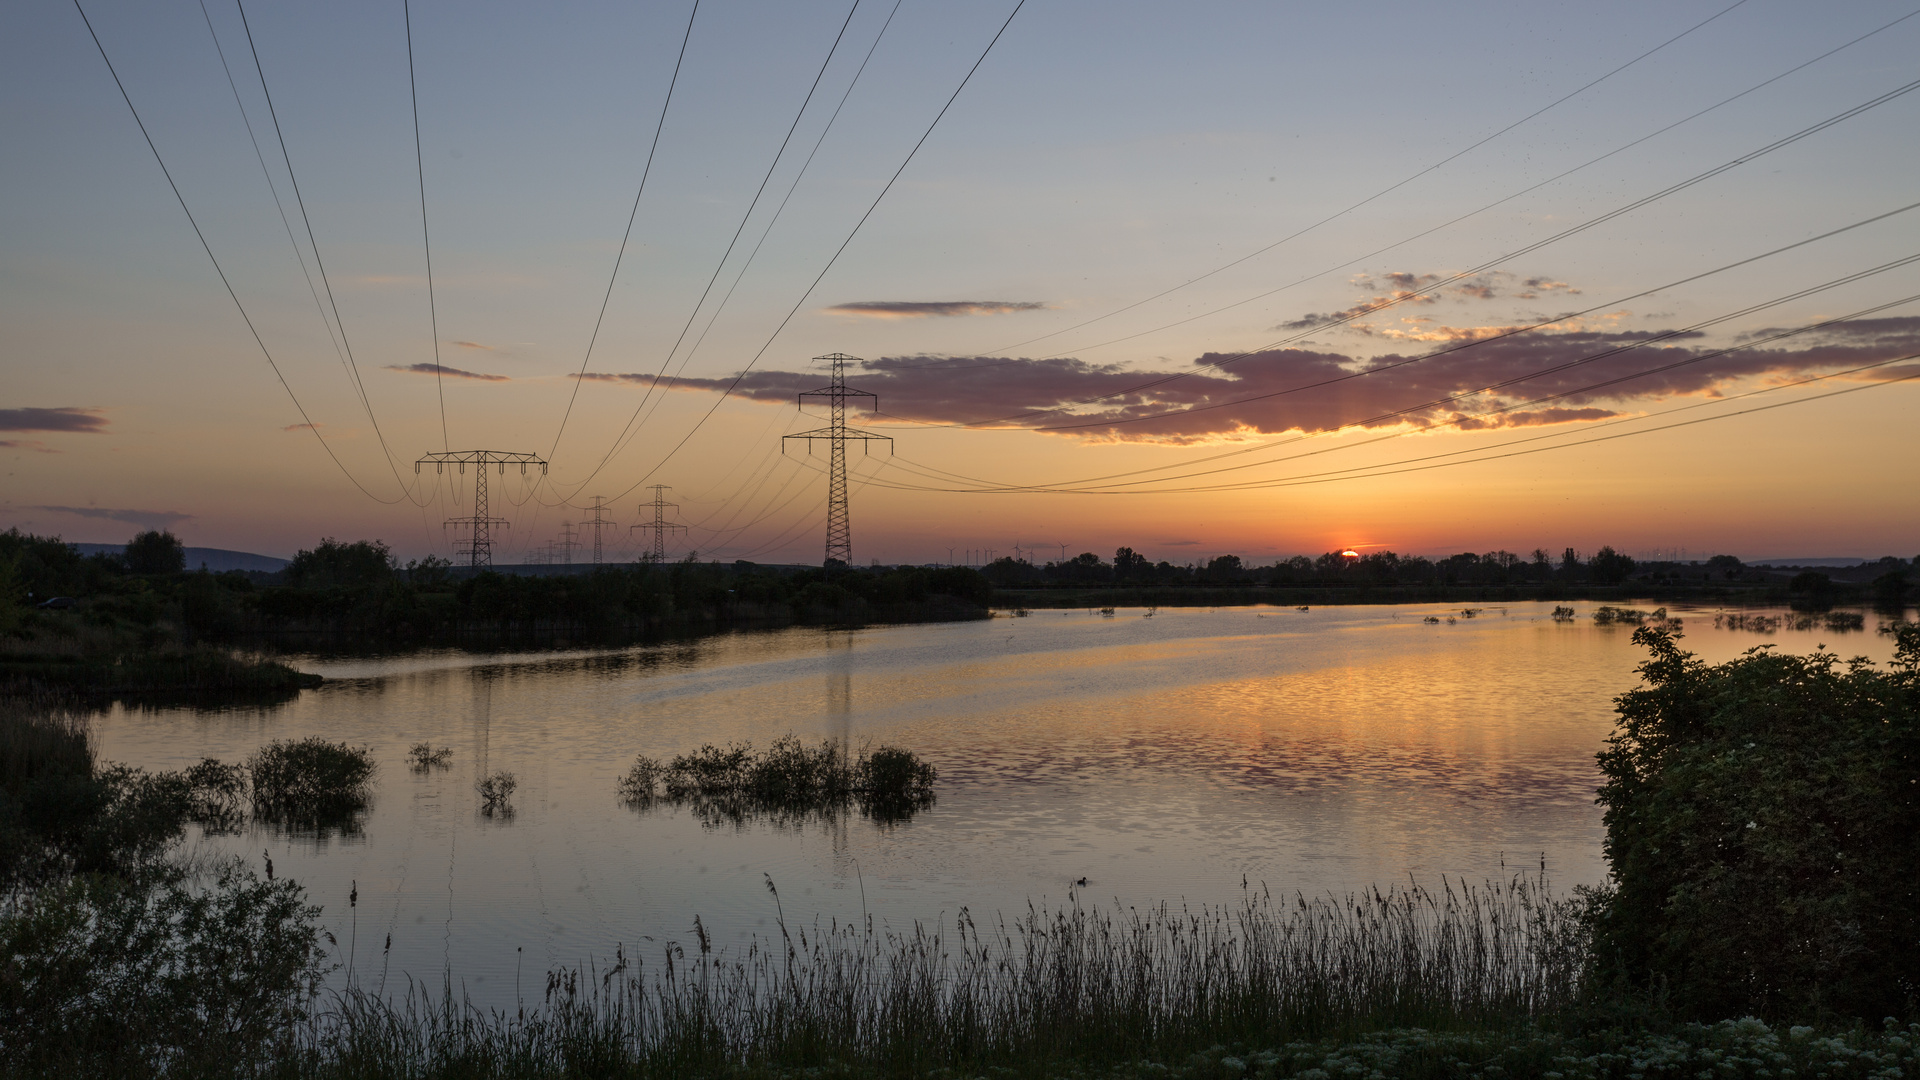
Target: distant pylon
x=598, y=521
x=567, y=542
x=478, y=547
x=838, y=434
x=659, y=526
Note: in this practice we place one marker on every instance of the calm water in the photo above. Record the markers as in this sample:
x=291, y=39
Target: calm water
x=1163, y=758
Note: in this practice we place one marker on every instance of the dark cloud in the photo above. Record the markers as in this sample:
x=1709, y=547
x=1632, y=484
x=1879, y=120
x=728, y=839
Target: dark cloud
x=146, y=519
x=992, y=390
x=27, y=444
x=301, y=427
x=448, y=372
x=920, y=309
x=65, y=418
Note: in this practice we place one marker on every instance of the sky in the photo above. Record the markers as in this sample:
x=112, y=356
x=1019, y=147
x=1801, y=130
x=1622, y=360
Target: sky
x=1266, y=279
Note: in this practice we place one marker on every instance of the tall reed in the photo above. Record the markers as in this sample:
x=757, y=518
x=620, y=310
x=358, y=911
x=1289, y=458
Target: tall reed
x=1074, y=983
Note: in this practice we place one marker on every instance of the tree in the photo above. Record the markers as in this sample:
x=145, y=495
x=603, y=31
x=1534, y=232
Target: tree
x=156, y=553
x=1224, y=568
x=332, y=563
x=1760, y=818
x=1609, y=567
x=1127, y=565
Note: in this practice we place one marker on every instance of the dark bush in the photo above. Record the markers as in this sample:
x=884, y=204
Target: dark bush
x=1761, y=817
x=154, y=976
x=310, y=783
x=154, y=552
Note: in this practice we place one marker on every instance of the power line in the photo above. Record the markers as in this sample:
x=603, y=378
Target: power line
x=1367, y=310
x=1451, y=221
x=775, y=218
x=426, y=242
x=1474, y=344
x=1389, y=189
x=836, y=254
x=208, y=248
x=320, y=264
x=1458, y=420
x=728, y=253
x=645, y=171
x=273, y=189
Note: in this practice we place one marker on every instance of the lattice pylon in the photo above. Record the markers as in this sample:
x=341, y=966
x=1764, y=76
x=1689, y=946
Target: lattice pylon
x=837, y=435
x=478, y=547
x=659, y=526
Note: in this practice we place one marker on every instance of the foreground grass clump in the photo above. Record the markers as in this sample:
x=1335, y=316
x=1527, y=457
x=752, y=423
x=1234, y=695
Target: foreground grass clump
x=1761, y=817
x=310, y=783
x=788, y=778
x=1102, y=988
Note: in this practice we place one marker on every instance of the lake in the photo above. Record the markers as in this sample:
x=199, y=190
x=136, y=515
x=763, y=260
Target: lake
x=1178, y=757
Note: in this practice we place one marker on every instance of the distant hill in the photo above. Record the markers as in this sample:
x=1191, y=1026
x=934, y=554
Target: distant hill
x=214, y=559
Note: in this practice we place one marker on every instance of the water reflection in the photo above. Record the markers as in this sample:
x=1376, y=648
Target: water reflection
x=1160, y=759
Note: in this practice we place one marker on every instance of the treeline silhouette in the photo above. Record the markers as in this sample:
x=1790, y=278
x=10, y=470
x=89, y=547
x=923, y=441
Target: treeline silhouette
x=359, y=588
x=1351, y=577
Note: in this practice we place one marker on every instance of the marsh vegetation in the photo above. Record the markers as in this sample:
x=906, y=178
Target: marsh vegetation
x=788, y=781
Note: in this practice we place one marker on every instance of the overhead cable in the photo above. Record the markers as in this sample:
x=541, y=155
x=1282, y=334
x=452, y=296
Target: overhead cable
x=645, y=171
x=728, y=392
x=307, y=420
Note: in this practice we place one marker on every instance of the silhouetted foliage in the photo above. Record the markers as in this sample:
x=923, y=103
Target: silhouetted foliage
x=154, y=552
x=1609, y=567
x=1760, y=820
x=332, y=563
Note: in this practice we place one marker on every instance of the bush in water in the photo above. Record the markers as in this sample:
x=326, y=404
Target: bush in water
x=310, y=783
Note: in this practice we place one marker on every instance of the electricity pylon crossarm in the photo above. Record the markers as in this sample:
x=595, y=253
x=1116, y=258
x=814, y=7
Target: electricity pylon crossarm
x=478, y=546
x=837, y=435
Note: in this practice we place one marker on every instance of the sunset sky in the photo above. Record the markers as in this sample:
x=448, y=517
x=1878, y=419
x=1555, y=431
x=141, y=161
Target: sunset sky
x=1194, y=278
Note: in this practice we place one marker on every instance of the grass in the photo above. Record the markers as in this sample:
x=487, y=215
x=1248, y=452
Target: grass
x=1071, y=984
x=788, y=781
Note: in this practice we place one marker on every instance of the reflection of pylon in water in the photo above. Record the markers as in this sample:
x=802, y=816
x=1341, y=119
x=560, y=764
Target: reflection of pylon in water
x=598, y=521
x=478, y=546
x=659, y=526
x=838, y=434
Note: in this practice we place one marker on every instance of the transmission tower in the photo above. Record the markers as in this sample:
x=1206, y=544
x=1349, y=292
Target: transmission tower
x=838, y=434
x=659, y=526
x=478, y=545
x=567, y=543
x=598, y=521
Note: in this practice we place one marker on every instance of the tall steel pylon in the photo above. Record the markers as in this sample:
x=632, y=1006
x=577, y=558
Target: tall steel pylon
x=567, y=542
x=838, y=434
x=478, y=547
x=598, y=521
x=659, y=526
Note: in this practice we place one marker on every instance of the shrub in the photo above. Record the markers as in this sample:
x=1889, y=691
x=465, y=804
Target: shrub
x=496, y=794
x=788, y=781
x=152, y=976
x=310, y=784
x=1760, y=820
x=424, y=756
